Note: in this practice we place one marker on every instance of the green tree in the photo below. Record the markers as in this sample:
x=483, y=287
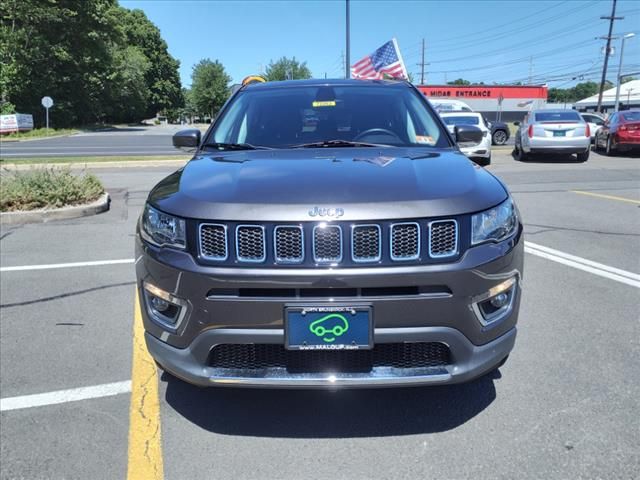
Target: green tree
x=162, y=78
x=60, y=49
x=459, y=81
x=130, y=94
x=97, y=60
x=287, y=69
x=209, y=87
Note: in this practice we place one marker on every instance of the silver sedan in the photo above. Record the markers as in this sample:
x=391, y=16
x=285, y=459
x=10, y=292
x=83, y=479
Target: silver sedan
x=553, y=132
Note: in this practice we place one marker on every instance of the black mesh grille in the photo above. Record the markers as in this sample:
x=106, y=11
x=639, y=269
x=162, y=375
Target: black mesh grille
x=366, y=243
x=250, y=243
x=405, y=241
x=443, y=238
x=289, y=244
x=213, y=242
x=327, y=243
x=397, y=355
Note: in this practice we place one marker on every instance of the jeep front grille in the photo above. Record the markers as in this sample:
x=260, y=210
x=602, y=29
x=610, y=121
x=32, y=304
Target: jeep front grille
x=443, y=238
x=327, y=243
x=405, y=241
x=213, y=241
x=366, y=243
x=289, y=244
x=324, y=244
x=250, y=243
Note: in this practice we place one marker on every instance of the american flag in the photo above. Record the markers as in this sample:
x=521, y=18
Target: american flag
x=385, y=61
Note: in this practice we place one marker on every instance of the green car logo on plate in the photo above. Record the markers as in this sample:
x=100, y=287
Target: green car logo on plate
x=320, y=328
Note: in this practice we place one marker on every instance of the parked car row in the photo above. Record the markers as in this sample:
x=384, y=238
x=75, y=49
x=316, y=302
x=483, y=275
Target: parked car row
x=499, y=130
x=553, y=132
x=619, y=133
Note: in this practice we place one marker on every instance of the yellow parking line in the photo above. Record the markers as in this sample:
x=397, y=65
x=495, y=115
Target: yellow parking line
x=608, y=197
x=145, y=447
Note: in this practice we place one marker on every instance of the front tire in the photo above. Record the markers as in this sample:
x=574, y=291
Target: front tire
x=499, y=137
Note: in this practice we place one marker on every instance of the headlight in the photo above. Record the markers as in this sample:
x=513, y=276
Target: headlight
x=162, y=230
x=495, y=224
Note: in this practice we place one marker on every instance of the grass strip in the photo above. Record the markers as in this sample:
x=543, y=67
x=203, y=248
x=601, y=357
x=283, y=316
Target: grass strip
x=46, y=188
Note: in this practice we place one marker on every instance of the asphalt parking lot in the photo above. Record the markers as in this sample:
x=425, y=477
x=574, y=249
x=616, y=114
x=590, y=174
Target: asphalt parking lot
x=564, y=406
x=120, y=141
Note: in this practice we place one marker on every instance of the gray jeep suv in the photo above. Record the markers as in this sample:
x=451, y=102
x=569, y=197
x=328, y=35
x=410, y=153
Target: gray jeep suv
x=329, y=234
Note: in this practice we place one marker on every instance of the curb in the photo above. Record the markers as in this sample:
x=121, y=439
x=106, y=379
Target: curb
x=46, y=215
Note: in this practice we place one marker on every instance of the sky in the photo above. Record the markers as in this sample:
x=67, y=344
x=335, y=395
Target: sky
x=552, y=42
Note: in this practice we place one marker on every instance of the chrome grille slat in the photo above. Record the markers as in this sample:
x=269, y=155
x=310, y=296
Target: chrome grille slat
x=251, y=243
x=405, y=241
x=327, y=243
x=443, y=238
x=366, y=243
x=213, y=241
x=288, y=241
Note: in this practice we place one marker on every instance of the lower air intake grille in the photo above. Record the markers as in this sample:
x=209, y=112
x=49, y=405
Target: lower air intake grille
x=396, y=355
x=250, y=243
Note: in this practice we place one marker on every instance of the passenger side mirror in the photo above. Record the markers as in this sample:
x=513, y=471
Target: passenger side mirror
x=467, y=134
x=188, y=140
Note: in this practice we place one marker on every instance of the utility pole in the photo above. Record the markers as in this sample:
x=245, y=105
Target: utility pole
x=607, y=51
x=347, y=69
x=422, y=64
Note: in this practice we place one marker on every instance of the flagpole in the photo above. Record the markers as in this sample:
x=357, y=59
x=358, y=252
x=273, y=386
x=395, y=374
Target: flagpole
x=404, y=68
x=347, y=69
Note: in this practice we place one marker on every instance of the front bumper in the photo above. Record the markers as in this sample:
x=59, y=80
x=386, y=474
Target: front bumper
x=442, y=312
x=471, y=361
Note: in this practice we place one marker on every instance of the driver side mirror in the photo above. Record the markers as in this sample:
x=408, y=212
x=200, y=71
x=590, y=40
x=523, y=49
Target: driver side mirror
x=467, y=134
x=187, y=140
x=517, y=124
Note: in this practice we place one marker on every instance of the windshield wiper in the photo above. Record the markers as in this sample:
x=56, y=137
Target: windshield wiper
x=235, y=146
x=337, y=143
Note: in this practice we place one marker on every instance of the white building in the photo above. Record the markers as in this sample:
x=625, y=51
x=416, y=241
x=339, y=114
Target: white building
x=629, y=98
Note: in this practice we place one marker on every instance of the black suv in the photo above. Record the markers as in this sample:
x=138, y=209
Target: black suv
x=326, y=234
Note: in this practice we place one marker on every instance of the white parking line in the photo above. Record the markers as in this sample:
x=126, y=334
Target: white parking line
x=615, y=274
x=64, y=396
x=52, y=266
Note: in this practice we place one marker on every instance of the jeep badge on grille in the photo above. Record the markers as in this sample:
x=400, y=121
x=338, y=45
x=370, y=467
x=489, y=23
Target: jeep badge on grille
x=326, y=212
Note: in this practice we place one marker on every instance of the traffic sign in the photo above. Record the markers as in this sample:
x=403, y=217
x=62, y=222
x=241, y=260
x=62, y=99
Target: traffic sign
x=47, y=103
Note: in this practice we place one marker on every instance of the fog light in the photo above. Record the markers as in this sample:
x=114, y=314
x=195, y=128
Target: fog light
x=495, y=304
x=163, y=307
x=500, y=300
x=159, y=304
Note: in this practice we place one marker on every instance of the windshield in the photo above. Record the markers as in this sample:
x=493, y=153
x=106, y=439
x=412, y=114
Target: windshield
x=461, y=120
x=292, y=116
x=558, y=117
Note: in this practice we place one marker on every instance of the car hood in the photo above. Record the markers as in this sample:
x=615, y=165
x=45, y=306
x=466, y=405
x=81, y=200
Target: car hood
x=362, y=183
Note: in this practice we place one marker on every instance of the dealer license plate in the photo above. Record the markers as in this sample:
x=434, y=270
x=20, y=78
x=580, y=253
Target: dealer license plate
x=328, y=328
